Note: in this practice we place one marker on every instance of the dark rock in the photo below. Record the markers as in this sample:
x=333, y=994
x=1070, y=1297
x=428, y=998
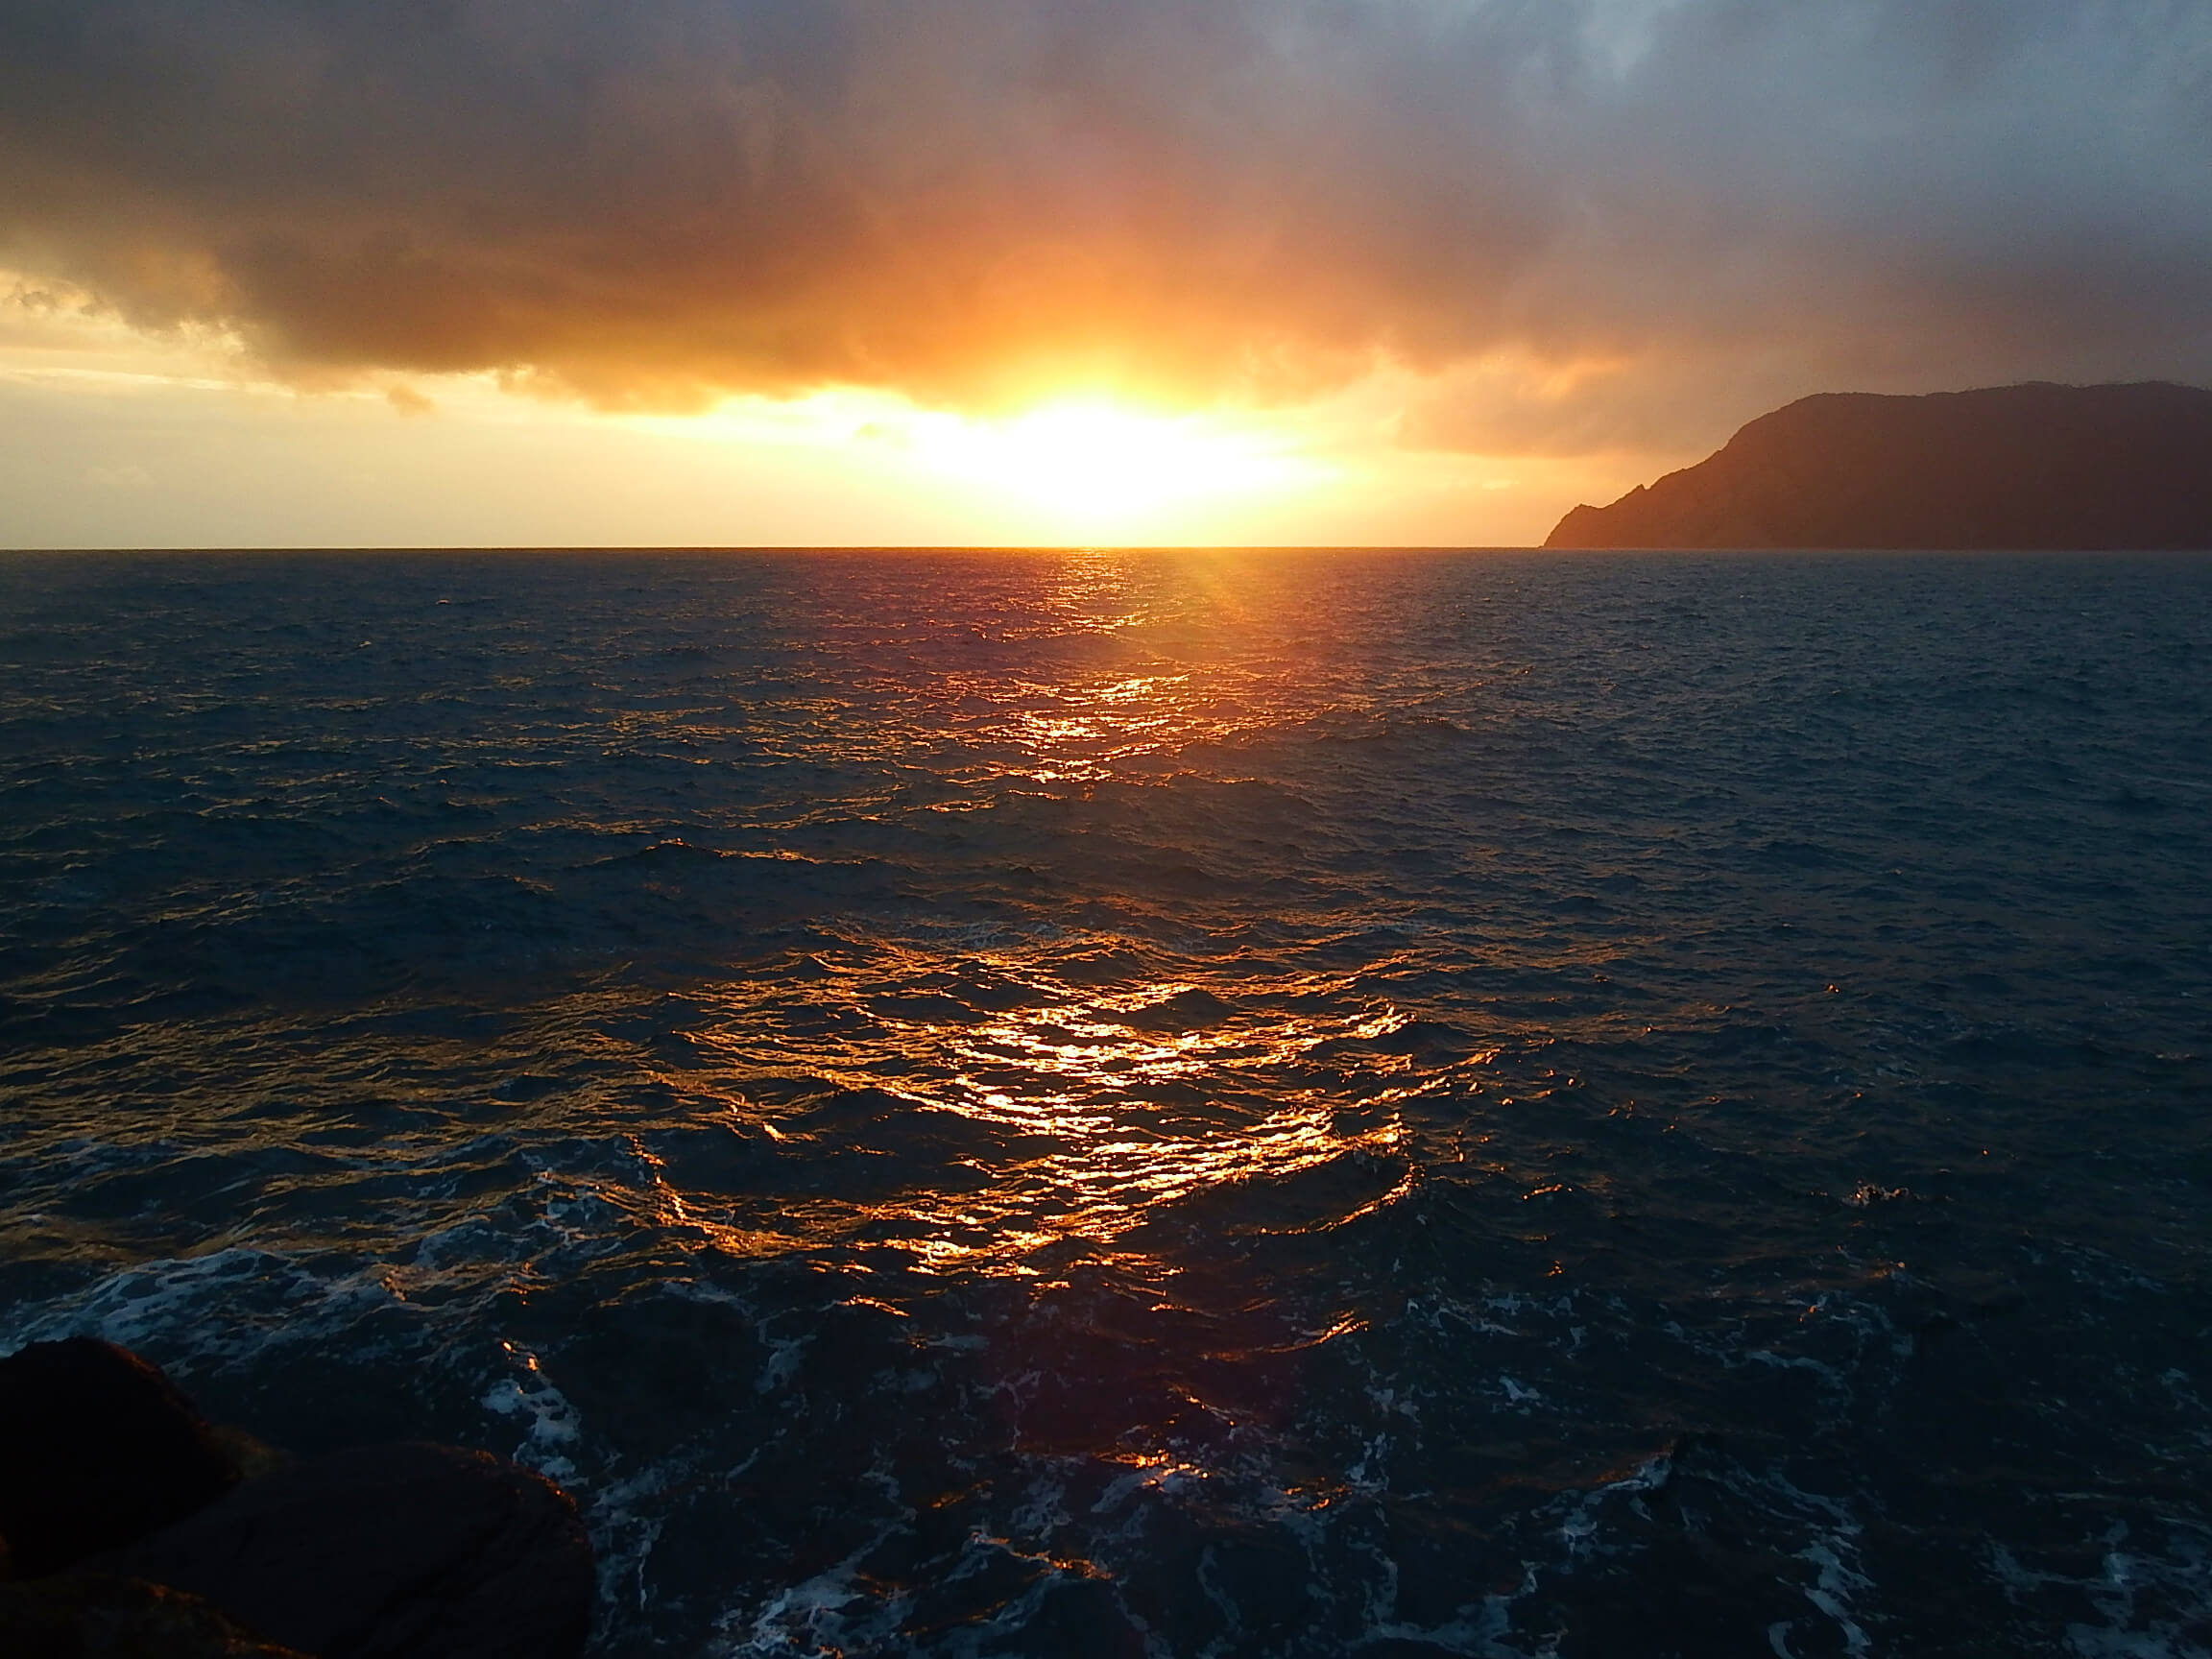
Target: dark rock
x=403, y=1552
x=96, y=1447
x=2008, y=467
x=98, y=1616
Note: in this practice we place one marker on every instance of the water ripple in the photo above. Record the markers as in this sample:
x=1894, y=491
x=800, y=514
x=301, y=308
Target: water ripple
x=1202, y=1104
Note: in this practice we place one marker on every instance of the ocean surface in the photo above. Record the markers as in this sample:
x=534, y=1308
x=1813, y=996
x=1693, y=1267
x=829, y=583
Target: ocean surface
x=1167, y=1104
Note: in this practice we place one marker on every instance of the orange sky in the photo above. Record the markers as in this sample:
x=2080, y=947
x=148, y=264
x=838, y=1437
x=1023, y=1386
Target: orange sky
x=991, y=271
x=125, y=440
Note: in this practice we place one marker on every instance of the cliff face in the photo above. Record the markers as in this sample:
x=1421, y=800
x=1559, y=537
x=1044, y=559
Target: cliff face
x=2019, y=466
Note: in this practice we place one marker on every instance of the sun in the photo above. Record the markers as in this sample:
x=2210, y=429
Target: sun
x=1078, y=467
x=1095, y=463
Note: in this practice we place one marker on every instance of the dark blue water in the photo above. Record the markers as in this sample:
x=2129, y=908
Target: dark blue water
x=1158, y=1104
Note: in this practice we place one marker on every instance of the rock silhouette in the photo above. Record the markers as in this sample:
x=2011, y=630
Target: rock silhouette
x=96, y=1448
x=2009, y=466
x=133, y=1529
x=99, y=1616
x=402, y=1551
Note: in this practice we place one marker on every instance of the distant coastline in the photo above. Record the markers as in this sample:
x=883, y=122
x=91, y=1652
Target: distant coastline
x=2029, y=466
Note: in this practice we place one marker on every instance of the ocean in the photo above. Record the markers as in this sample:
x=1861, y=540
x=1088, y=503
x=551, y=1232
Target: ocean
x=1193, y=1104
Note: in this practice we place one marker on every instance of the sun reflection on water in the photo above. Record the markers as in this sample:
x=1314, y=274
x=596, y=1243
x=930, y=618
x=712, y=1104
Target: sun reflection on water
x=1084, y=1124
x=980, y=1107
x=1122, y=720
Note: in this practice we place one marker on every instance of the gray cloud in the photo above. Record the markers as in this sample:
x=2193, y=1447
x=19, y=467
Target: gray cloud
x=1687, y=204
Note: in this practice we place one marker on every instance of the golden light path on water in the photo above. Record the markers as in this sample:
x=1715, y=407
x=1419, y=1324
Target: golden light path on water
x=1082, y=1154
x=1082, y=1109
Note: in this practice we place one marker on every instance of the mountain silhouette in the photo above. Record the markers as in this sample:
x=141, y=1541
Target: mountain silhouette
x=2019, y=466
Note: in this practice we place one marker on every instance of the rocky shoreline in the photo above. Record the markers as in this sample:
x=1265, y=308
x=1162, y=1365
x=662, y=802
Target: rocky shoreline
x=132, y=1528
x=2035, y=466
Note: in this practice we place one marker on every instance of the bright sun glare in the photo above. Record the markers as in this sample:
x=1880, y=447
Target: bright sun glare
x=1078, y=467
x=1098, y=464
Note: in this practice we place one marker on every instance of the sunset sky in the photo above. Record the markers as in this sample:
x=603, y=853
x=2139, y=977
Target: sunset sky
x=530, y=272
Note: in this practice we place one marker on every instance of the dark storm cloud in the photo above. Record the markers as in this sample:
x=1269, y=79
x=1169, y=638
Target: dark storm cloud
x=653, y=201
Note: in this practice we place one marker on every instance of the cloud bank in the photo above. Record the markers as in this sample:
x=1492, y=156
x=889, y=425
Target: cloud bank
x=1564, y=211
